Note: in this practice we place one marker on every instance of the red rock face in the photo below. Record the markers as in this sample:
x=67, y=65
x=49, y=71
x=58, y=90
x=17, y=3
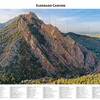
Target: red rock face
x=56, y=53
x=60, y=50
x=33, y=42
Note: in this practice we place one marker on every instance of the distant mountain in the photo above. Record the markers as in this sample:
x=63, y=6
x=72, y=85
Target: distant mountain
x=91, y=43
x=1, y=26
x=31, y=49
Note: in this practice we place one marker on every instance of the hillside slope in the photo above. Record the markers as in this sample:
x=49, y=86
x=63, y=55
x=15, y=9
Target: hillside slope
x=91, y=43
x=31, y=49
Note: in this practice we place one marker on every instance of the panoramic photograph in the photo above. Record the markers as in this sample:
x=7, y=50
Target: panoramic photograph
x=50, y=46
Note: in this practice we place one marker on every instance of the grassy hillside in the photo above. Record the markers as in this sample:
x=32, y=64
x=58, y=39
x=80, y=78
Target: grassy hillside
x=89, y=79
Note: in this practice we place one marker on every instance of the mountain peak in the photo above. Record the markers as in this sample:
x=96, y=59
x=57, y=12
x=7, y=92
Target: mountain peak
x=31, y=15
x=34, y=49
x=31, y=19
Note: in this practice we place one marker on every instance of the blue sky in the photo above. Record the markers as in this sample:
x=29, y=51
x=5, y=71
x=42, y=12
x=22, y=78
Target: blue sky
x=67, y=20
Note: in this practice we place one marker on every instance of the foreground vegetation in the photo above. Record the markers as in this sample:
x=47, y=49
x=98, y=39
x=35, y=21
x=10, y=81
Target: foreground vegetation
x=89, y=79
